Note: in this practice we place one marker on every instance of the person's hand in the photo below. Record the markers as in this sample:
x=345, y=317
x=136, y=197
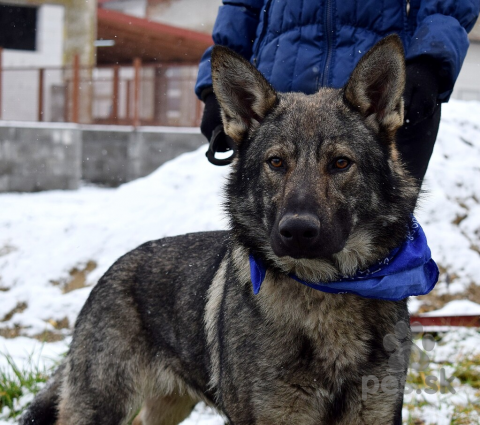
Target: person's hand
x=211, y=114
x=421, y=90
x=212, y=128
x=211, y=120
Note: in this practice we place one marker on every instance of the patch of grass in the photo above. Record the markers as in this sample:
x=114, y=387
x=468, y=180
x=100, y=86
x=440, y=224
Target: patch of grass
x=466, y=415
x=77, y=278
x=17, y=309
x=468, y=371
x=16, y=382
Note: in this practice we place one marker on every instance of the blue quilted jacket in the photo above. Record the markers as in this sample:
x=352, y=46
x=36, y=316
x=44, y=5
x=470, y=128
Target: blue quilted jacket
x=301, y=45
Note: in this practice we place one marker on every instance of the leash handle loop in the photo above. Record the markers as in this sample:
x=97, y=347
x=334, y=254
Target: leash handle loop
x=219, y=136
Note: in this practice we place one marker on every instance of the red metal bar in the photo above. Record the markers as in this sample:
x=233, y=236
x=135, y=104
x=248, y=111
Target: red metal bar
x=67, y=100
x=137, y=63
x=103, y=66
x=72, y=111
x=467, y=321
x=41, y=72
x=115, y=93
x=76, y=88
x=129, y=99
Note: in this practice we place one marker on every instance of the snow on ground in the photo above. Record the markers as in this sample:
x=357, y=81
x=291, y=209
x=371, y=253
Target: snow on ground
x=44, y=236
x=455, y=308
x=55, y=245
x=450, y=210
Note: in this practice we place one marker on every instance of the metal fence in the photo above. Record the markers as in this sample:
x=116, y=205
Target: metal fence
x=140, y=94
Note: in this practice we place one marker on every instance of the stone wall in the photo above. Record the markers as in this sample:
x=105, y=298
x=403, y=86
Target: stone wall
x=59, y=156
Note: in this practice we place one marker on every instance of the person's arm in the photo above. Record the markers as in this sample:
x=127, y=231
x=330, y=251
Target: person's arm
x=235, y=27
x=440, y=42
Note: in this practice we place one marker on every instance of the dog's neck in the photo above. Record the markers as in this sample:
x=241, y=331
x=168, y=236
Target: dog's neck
x=407, y=270
x=359, y=252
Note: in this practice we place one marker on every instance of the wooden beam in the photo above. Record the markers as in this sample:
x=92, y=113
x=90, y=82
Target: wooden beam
x=76, y=89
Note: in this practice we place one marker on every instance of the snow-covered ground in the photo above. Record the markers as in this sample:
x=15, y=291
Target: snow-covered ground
x=55, y=245
x=450, y=210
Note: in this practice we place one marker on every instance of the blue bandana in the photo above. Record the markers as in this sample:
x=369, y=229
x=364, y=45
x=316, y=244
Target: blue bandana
x=407, y=271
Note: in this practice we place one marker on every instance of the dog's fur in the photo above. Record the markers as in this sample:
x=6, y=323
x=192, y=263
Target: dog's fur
x=175, y=320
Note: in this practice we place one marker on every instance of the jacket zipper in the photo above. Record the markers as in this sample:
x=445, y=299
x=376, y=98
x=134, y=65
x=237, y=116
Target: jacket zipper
x=328, y=28
x=407, y=7
x=263, y=32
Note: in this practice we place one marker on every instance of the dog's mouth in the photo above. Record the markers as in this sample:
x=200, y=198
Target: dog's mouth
x=300, y=252
x=327, y=262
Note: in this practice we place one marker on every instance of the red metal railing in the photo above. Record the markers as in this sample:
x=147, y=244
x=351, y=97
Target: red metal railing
x=454, y=321
x=139, y=94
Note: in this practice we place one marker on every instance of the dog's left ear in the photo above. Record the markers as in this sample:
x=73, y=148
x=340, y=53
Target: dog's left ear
x=245, y=96
x=376, y=86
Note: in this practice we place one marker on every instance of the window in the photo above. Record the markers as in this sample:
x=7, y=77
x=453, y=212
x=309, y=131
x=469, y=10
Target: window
x=18, y=27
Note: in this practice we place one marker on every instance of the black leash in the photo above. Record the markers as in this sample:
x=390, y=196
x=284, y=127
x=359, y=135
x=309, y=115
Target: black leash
x=220, y=142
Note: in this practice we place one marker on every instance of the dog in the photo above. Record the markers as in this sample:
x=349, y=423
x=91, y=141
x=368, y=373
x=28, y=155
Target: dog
x=317, y=191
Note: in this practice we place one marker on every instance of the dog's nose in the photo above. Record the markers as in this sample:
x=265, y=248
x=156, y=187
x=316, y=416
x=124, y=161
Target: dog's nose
x=299, y=231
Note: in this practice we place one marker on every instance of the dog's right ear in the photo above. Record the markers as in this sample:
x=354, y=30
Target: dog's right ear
x=245, y=96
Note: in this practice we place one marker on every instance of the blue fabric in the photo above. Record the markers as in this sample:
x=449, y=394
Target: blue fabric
x=407, y=271
x=303, y=45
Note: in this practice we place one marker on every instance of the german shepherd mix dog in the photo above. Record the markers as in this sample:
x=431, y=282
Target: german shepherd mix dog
x=317, y=191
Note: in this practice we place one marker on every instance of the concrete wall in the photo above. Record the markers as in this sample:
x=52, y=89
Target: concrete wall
x=105, y=158
x=58, y=156
x=39, y=158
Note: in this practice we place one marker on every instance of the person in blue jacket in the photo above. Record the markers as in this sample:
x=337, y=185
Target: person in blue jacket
x=304, y=45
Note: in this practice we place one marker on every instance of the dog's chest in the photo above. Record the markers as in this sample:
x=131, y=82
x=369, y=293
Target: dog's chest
x=289, y=346
x=302, y=336
x=333, y=324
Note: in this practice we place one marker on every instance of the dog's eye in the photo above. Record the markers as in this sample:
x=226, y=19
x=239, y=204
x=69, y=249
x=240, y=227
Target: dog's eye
x=276, y=162
x=341, y=164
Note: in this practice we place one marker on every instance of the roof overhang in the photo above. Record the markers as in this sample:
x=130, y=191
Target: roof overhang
x=150, y=41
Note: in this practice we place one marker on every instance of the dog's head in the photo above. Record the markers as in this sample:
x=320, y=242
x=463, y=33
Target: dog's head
x=317, y=187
